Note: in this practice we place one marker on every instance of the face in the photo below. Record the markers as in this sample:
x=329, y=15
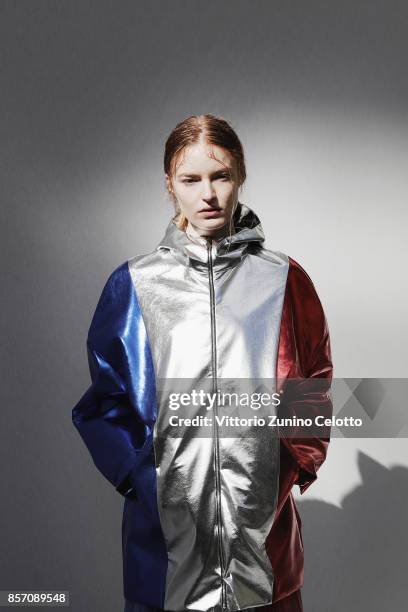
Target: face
x=206, y=189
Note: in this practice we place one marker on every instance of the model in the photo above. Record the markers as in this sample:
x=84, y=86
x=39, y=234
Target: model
x=209, y=520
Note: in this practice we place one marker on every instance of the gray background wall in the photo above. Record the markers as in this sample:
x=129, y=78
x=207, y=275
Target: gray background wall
x=318, y=93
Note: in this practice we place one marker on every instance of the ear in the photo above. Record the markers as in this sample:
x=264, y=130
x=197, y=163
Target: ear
x=168, y=182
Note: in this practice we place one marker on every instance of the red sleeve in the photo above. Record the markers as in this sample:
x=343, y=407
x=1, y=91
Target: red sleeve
x=304, y=359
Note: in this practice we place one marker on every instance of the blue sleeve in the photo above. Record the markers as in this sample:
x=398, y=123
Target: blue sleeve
x=115, y=416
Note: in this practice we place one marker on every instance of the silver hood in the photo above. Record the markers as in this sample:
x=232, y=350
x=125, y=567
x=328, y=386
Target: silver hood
x=227, y=251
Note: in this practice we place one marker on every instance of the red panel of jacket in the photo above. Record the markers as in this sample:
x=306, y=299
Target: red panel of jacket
x=304, y=352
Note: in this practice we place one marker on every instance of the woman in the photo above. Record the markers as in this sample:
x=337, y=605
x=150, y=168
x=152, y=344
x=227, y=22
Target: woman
x=209, y=521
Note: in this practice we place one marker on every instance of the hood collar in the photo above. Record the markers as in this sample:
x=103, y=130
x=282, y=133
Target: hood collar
x=229, y=249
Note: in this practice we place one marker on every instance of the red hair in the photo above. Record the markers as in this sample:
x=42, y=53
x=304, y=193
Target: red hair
x=214, y=131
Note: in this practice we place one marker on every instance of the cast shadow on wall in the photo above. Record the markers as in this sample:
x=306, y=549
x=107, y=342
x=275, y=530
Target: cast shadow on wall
x=356, y=557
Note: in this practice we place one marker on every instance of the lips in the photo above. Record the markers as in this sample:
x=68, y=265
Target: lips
x=210, y=212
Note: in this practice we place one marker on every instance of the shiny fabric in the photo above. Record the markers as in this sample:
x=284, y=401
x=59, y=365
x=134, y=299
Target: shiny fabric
x=291, y=603
x=225, y=512
x=115, y=419
x=201, y=515
x=304, y=351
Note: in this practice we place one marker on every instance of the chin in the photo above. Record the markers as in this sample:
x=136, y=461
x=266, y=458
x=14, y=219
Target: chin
x=211, y=224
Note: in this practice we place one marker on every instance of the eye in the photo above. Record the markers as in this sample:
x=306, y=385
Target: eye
x=224, y=177
x=188, y=181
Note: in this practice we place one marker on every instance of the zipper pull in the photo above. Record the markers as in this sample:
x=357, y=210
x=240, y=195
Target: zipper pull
x=211, y=246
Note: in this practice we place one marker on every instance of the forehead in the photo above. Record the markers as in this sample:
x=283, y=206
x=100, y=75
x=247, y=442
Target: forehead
x=203, y=157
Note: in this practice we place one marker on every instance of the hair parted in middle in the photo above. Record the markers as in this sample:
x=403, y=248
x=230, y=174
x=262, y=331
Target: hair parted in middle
x=215, y=131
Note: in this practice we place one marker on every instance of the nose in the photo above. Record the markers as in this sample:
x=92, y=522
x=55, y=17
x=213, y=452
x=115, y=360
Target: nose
x=208, y=191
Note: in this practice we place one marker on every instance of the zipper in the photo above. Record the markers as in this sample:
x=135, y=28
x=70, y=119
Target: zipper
x=215, y=425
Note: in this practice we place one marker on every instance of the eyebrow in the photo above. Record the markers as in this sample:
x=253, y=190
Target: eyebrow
x=192, y=174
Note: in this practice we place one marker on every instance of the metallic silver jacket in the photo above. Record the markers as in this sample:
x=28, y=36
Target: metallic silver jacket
x=209, y=520
x=212, y=310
